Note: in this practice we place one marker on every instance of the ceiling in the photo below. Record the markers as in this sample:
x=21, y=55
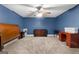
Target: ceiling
x=43, y=10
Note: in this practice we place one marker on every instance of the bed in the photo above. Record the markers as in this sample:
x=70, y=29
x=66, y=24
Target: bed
x=8, y=32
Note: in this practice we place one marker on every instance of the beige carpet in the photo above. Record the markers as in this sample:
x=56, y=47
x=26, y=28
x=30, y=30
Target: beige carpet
x=39, y=45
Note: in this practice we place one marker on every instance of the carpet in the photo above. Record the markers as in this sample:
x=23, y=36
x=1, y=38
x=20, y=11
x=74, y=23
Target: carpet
x=39, y=45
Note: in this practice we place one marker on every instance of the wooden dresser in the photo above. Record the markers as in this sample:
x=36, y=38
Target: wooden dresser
x=40, y=32
x=72, y=40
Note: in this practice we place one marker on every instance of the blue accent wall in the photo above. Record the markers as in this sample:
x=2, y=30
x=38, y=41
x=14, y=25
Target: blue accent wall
x=8, y=16
x=39, y=23
x=68, y=19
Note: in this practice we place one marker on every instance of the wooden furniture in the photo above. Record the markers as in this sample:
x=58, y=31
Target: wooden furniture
x=62, y=36
x=72, y=39
x=8, y=32
x=21, y=35
x=1, y=46
x=40, y=32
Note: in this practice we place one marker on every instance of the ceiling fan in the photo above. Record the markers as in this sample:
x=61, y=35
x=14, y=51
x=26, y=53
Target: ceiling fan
x=40, y=12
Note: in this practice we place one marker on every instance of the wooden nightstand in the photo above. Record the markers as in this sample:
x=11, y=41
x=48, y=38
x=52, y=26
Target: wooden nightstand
x=21, y=35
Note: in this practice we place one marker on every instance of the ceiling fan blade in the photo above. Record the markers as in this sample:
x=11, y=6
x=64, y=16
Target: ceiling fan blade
x=31, y=5
x=28, y=5
x=36, y=6
x=58, y=6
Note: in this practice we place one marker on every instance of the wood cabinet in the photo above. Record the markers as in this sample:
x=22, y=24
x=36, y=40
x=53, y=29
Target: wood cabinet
x=72, y=39
x=40, y=32
x=62, y=36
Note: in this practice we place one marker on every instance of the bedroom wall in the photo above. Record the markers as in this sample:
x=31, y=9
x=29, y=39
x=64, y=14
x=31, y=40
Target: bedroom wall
x=68, y=19
x=8, y=16
x=39, y=23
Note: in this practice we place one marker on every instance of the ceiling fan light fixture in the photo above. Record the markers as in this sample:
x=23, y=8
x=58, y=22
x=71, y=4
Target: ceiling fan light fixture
x=39, y=15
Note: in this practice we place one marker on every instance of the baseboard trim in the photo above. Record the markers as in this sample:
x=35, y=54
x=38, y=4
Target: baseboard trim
x=51, y=35
x=10, y=42
x=33, y=35
x=29, y=35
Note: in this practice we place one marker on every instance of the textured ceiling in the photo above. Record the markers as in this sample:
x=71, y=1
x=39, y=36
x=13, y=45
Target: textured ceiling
x=31, y=10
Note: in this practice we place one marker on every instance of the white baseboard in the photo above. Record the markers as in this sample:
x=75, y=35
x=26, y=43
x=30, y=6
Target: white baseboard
x=51, y=35
x=10, y=42
x=33, y=35
x=30, y=35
